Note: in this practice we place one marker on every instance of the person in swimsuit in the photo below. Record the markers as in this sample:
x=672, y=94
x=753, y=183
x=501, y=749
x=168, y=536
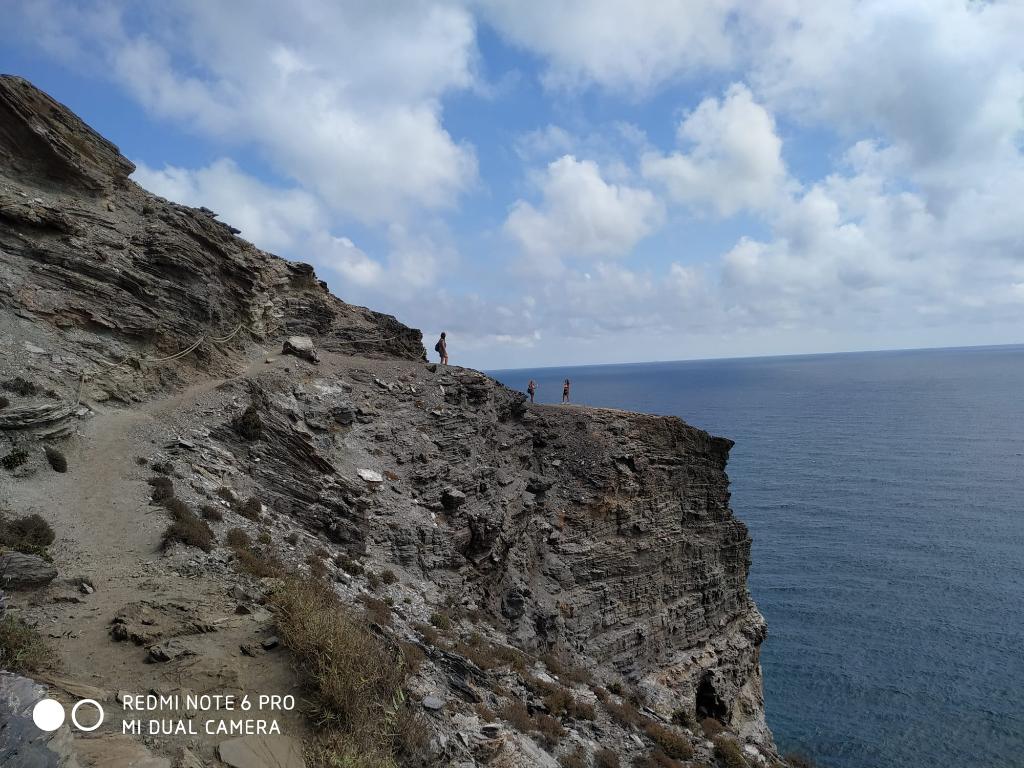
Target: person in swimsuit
x=442, y=348
x=565, y=391
x=531, y=388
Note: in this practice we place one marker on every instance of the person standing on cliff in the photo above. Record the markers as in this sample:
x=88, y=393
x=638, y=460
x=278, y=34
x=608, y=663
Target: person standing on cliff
x=442, y=348
x=531, y=388
x=565, y=391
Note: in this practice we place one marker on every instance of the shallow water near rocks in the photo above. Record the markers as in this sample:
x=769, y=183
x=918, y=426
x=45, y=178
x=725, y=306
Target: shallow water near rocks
x=885, y=495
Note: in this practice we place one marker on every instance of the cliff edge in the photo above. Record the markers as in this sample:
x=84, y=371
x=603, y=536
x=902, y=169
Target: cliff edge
x=552, y=584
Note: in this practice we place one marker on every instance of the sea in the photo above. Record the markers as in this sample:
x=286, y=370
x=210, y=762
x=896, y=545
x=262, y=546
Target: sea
x=884, y=492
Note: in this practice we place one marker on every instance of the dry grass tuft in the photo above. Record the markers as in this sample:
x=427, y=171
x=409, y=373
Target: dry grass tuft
x=729, y=753
x=672, y=743
x=21, y=647
x=30, y=534
x=186, y=527
x=210, y=512
x=354, y=678
x=605, y=758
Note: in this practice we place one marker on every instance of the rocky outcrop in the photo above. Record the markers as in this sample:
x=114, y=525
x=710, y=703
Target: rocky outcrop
x=581, y=564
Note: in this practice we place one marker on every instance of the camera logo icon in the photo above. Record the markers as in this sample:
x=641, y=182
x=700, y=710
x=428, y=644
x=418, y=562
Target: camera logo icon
x=49, y=714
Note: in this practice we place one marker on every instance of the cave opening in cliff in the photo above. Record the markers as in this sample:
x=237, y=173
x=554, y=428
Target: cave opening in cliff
x=709, y=704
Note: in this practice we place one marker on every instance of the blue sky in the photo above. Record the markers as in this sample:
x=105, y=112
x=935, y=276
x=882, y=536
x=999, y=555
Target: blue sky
x=579, y=182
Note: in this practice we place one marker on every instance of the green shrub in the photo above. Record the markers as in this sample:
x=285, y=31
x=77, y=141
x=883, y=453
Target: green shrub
x=21, y=647
x=58, y=461
x=263, y=537
x=388, y=576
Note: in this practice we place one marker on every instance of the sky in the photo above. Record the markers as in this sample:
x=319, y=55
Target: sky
x=585, y=181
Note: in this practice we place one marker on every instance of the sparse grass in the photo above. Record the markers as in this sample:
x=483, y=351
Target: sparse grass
x=674, y=744
x=210, y=512
x=354, y=679
x=186, y=527
x=14, y=459
x=728, y=752
x=606, y=758
x=21, y=647
x=163, y=488
x=58, y=461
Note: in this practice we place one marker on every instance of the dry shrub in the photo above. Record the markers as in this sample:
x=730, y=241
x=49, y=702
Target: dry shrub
x=565, y=671
x=317, y=569
x=263, y=537
x=484, y=712
x=348, y=564
x=4, y=402
x=711, y=727
x=414, y=657
x=517, y=715
x=441, y=621
x=429, y=633
x=251, y=509
x=550, y=728
x=249, y=424
x=605, y=758
x=656, y=759
x=377, y=610
x=292, y=538
x=799, y=760
x=575, y=759
x=21, y=647
x=560, y=702
x=163, y=488
x=20, y=386
x=625, y=713
x=30, y=534
x=372, y=580
x=387, y=576
x=355, y=679
x=186, y=527
x=674, y=744
x=238, y=539
x=14, y=459
x=685, y=718
x=58, y=461
x=210, y=512
x=729, y=752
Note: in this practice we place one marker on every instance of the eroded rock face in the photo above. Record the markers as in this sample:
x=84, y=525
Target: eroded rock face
x=599, y=537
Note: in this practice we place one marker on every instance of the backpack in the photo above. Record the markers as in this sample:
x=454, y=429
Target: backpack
x=437, y=347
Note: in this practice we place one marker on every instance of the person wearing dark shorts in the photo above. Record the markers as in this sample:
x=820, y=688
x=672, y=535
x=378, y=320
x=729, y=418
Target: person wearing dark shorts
x=565, y=391
x=531, y=388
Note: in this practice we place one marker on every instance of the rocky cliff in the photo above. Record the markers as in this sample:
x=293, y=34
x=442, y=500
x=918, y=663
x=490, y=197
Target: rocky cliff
x=571, y=580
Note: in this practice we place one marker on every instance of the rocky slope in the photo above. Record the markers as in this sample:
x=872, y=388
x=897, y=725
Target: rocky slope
x=573, y=578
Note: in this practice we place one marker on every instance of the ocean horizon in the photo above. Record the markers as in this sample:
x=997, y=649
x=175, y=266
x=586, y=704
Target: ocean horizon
x=883, y=492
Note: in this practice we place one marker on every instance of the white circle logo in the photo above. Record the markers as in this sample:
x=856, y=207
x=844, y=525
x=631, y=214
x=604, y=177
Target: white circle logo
x=74, y=715
x=48, y=714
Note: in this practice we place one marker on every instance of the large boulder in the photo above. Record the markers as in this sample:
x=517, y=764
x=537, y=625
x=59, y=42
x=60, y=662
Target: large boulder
x=21, y=571
x=300, y=346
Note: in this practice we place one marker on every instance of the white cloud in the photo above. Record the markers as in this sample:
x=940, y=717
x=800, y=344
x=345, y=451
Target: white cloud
x=340, y=98
x=736, y=156
x=624, y=46
x=581, y=216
